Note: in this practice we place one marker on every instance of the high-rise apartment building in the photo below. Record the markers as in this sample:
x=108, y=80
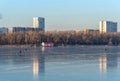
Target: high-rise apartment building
x=39, y=22
x=107, y=26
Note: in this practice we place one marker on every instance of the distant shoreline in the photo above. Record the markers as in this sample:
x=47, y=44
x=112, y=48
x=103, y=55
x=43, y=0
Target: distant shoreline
x=26, y=46
x=63, y=38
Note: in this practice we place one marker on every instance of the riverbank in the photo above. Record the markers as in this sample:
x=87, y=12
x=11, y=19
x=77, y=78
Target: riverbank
x=60, y=38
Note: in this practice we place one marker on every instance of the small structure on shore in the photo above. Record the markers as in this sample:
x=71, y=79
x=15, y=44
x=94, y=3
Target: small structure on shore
x=47, y=44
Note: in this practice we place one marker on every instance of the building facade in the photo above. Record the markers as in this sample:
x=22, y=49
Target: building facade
x=90, y=30
x=3, y=30
x=25, y=29
x=107, y=26
x=39, y=22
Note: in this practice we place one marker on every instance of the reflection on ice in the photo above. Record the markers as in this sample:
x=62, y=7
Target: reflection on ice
x=35, y=67
x=111, y=61
x=43, y=49
x=107, y=61
x=38, y=64
x=103, y=63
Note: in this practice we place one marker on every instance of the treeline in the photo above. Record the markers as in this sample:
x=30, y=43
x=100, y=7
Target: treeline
x=60, y=38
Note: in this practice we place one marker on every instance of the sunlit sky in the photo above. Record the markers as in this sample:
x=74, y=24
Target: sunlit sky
x=59, y=14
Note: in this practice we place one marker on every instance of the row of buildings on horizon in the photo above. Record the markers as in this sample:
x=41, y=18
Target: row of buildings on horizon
x=105, y=26
x=39, y=25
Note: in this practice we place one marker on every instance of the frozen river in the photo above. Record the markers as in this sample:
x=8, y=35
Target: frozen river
x=70, y=63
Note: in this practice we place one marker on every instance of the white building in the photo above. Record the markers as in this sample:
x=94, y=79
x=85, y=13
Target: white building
x=39, y=22
x=108, y=26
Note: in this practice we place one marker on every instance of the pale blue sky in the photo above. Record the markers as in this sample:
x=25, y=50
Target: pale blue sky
x=59, y=14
